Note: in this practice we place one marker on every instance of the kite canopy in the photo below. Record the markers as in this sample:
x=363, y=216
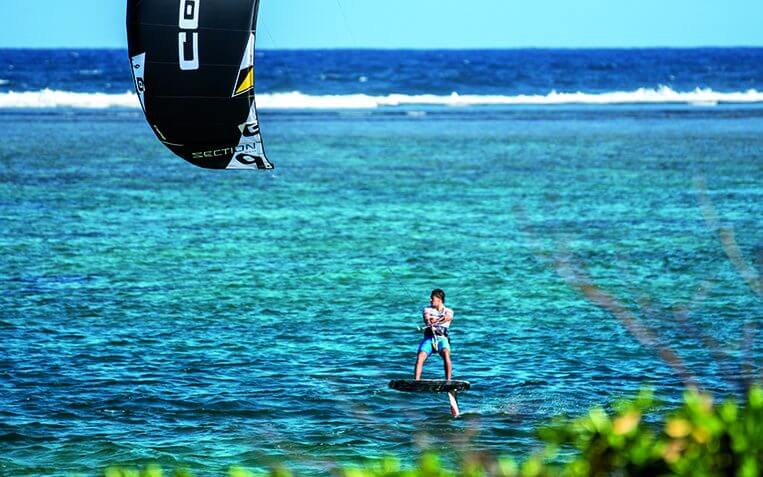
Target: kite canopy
x=193, y=65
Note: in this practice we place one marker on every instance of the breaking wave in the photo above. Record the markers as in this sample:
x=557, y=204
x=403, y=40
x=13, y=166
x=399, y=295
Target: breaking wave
x=52, y=99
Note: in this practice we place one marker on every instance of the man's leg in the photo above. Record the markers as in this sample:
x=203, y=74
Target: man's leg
x=419, y=365
x=448, y=366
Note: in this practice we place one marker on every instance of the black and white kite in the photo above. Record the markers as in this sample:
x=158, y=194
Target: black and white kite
x=193, y=65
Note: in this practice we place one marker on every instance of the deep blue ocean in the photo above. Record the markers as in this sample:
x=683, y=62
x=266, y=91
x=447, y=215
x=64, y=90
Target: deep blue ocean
x=417, y=72
x=584, y=210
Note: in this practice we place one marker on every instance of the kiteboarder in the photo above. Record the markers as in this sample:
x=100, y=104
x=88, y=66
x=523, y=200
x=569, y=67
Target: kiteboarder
x=437, y=320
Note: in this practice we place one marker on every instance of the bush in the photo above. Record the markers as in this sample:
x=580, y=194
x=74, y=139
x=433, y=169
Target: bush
x=699, y=439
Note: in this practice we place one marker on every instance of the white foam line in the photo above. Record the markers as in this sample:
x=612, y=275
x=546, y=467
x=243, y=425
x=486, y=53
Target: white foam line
x=661, y=95
x=51, y=99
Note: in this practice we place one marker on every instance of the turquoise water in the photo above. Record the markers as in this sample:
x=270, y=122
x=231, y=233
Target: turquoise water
x=153, y=311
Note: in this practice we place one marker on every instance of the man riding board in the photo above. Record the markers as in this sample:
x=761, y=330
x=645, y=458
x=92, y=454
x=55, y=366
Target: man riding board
x=437, y=320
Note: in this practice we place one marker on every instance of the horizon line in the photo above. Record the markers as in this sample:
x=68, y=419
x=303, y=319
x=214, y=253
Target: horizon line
x=356, y=48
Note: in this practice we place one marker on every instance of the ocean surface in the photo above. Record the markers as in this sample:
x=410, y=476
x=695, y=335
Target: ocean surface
x=584, y=210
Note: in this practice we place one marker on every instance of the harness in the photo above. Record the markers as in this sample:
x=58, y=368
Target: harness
x=435, y=331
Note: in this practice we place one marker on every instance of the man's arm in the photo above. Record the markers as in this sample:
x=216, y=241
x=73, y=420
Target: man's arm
x=445, y=319
x=428, y=319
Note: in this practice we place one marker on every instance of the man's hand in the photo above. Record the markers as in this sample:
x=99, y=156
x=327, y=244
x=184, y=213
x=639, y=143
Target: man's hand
x=435, y=320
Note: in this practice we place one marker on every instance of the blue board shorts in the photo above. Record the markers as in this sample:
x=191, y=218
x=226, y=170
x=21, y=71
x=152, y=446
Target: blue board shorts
x=426, y=345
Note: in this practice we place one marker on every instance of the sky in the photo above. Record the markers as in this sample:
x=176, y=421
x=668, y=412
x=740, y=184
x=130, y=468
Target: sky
x=419, y=23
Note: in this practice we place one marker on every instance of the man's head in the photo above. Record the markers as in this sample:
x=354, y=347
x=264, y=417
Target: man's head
x=437, y=298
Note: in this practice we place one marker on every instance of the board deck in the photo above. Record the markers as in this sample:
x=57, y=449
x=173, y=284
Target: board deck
x=429, y=386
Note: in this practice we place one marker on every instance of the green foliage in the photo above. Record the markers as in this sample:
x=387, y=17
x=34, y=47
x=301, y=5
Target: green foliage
x=699, y=439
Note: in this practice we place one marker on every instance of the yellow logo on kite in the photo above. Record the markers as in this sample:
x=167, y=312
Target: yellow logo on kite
x=245, y=81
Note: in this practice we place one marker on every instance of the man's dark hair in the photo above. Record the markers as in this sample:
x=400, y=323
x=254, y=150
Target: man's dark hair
x=439, y=294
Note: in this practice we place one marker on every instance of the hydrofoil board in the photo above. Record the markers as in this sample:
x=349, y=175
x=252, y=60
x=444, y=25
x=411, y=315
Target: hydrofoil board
x=433, y=386
x=429, y=385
